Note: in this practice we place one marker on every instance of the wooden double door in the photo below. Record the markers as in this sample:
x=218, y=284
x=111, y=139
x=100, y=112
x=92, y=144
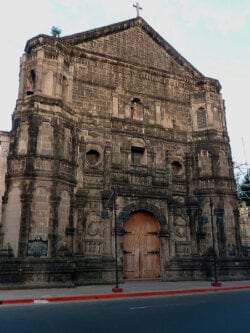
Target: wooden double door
x=141, y=247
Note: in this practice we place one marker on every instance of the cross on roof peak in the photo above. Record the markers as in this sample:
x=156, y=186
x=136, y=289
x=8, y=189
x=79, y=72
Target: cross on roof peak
x=138, y=8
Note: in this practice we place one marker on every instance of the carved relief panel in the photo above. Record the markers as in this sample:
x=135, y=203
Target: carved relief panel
x=94, y=232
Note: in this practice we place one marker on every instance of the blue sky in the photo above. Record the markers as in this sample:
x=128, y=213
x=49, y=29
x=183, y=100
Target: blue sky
x=212, y=34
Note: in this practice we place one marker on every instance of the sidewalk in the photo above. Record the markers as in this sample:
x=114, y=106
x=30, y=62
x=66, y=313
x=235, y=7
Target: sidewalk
x=130, y=289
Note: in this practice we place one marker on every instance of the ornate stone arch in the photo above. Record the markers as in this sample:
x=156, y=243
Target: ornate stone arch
x=143, y=206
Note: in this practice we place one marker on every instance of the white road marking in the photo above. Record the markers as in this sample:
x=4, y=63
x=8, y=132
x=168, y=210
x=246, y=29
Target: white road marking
x=40, y=301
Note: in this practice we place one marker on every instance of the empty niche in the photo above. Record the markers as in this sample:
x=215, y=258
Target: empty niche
x=44, y=139
x=176, y=168
x=48, y=83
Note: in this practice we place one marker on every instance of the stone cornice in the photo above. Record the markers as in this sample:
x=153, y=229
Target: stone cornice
x=43, y=40
x=68, y=42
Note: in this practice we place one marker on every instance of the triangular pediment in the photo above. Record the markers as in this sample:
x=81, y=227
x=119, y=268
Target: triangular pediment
x=133, y=41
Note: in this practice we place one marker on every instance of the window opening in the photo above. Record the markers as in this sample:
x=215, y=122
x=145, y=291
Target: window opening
x=31, y=79
x=176, y=168
x=92, y=156
x=201, y=118
x=137, y=155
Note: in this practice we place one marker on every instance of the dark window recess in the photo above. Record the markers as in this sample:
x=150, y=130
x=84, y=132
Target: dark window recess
x=201, y=118
x=31, y=80
x=92, y=156
x=176, y=168
x=64, y=89
x=136, y=100
x=137, y=155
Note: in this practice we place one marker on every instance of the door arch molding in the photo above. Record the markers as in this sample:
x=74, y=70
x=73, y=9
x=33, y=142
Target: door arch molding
x=142, y=206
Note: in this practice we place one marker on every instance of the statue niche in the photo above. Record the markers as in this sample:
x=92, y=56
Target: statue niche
x=136, y=109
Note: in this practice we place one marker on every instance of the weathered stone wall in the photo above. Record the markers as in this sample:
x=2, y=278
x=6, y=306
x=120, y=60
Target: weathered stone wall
x=4, y=150
x=134, y=46
x=12, y=214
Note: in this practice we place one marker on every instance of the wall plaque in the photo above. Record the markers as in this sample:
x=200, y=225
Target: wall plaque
x=183, y=249
x=37, y=247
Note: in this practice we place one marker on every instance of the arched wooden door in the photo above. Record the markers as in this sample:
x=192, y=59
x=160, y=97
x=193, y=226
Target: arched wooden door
x=141, y=247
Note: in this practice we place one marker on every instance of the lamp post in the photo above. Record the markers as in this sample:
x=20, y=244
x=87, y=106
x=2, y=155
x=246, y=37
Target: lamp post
x=116, y=288
x=215, y=283
x=113, y=195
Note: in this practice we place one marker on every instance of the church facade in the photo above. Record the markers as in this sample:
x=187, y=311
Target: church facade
x=116, y=136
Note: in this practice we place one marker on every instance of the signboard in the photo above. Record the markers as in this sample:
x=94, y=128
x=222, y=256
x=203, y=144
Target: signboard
x=183, y=249
x=37, y=247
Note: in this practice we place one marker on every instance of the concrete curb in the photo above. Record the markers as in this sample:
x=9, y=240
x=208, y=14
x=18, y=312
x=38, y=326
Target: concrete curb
x=44, y=300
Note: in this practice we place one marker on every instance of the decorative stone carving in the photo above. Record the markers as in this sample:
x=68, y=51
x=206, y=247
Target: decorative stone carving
x=93, y=225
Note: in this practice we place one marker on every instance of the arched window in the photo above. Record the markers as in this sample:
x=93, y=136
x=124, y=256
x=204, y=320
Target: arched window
x=65, y=89
x=30, y=85
x=201, y=118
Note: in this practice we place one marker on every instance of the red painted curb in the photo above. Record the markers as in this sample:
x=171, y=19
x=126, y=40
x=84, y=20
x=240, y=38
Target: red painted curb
x=118, y=295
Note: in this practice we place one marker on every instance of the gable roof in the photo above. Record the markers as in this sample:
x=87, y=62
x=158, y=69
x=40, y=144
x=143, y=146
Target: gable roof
x=75, y=39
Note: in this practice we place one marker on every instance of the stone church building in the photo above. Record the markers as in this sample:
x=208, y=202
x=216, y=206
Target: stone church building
x=116, y=136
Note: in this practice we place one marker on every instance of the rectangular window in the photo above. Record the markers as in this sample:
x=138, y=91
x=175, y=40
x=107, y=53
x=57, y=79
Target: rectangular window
x=137, y=155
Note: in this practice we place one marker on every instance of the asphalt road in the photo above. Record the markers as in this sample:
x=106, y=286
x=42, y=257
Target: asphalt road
x=212, y=312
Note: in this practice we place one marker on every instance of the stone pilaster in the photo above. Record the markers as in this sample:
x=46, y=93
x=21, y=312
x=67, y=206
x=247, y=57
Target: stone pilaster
x=172, y=250
x=193, y=222
x=237, y=232
x=70, y=230
x=26, y=201
x=107, y=167
x=53, y=223
x=80, y=202
x=221, y=238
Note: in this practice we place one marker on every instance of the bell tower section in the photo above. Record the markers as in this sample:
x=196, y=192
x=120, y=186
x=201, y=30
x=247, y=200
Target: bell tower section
x=41, y=173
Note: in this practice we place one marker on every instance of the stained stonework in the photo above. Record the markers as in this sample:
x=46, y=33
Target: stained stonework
x=118, y=108
x=4, y=150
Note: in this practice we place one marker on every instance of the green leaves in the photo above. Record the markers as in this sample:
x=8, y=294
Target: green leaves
x=55, y=32
x=244, y=192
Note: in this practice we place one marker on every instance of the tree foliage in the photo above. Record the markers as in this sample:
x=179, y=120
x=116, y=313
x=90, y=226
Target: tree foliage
x=244, y=189
x=55, y=32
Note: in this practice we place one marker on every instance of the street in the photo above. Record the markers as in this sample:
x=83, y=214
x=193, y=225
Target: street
x=206, y=312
